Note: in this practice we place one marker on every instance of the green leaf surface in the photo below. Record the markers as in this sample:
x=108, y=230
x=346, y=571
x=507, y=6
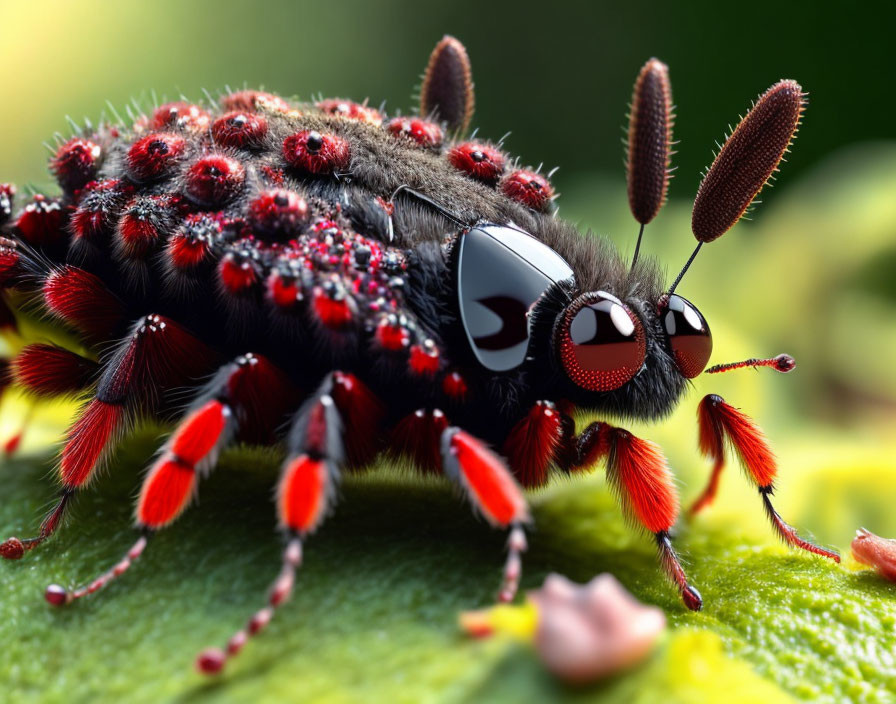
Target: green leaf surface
x=374, y=616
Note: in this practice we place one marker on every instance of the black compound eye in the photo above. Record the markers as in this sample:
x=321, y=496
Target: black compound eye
x=601, y=343
x=688, y=333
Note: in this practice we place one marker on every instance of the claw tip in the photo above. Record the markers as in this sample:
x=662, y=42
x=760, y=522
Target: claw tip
x=56, y=595
x=692, y=598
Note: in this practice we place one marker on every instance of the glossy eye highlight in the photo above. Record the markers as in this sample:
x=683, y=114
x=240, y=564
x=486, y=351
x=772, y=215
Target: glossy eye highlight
x=688, y=333
x=600, y=342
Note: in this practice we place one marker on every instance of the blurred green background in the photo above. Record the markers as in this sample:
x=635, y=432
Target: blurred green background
x=811, y=275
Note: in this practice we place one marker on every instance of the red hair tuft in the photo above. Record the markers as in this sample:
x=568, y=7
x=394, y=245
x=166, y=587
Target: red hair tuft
x=165, y=493
x=48, y=370
x=639, y=470
x=82, y=299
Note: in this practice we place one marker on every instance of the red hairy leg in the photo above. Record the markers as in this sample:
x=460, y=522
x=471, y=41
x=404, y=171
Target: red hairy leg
x=638, y=471
x=304, y=495
x=418, y=436
x=82, y=300
x=158, y=354
x=712, y=445
x=49, y=370
x=719, y=421
x=191, y=451
x=533, y=443
x=362, y=414
x=493, y=492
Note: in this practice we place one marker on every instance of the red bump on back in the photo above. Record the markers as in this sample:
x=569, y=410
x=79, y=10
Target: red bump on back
x=316, y=153
x=278, y=213
x=214, y=180
x=529, y=188
x=240, y=130
x=350, y=111
x=154, y=156
x=180, y=115
x=75, y=163
x=424, y=133
x=254, y=100
x=482, y=162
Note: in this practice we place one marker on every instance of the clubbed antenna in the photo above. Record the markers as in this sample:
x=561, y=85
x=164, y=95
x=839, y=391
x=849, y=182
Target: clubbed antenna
x=447, y=90
x=748, y=159
x=649, y=144
x=745, y=163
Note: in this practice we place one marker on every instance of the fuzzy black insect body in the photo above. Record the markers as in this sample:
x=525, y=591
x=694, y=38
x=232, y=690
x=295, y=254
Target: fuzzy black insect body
x=374, y=286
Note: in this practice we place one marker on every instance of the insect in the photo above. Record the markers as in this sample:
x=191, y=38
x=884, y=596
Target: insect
x=345, y=284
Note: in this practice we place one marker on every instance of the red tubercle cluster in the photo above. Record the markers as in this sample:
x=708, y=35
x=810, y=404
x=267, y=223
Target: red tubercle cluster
x=392, y=333
x=482, y=162
x=350, y=110
x=75, y=163
x=316, y=153
x=240, y=130
x=529, y=188
x=278, y=213
x=237, y=272
x=454, y=386
x=332, y=307
x=424, y=359
x=145, y=222
x=155, y=156
x=425, y=133
x=283, y=289
x=254, y=100
x=487, y=164
x=191, y=244
x=179, y=115
x=214, y=180
x=99, y=208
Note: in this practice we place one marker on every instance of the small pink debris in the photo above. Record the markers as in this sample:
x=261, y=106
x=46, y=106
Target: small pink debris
x=877, y=552
x=587, y=632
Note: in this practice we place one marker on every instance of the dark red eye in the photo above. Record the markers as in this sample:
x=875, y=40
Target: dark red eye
x=601, y=342
x=688, y=334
